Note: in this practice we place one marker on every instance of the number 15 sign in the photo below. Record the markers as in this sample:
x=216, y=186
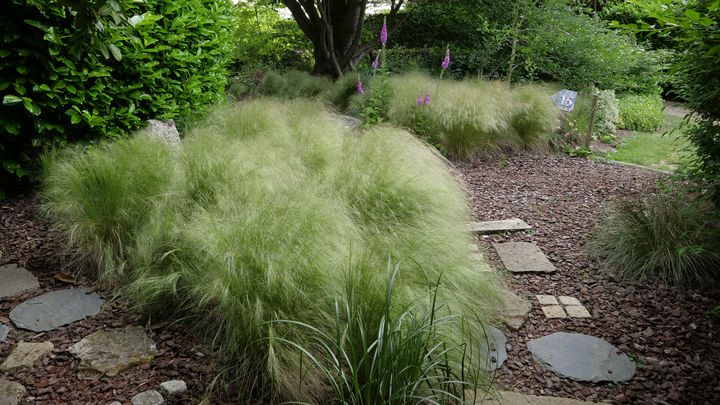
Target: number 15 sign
x=565, y=100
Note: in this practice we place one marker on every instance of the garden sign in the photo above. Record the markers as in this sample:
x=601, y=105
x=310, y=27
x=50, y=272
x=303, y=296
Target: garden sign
x=565, y=100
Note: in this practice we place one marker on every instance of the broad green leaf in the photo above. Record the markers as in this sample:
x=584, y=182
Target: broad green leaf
x=116, y=52
x=11, y=99
x=33, y=108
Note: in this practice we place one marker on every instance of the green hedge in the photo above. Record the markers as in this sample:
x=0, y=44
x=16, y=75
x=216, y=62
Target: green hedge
x=167, y=62
x=642, y=113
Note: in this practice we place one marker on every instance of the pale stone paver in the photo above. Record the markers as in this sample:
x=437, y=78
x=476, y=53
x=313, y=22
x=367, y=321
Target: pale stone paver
x=25, y=354
x=577, y=311
x=110, y=351
x=546, y=299
x=173, y=387
x=16, y=280
x=515, y=309
x=149, y=397
x=55, y=309
x=565, y=300
x=523, y=257
x=490, y=227
x=495, y=342
x=554, y=311
x=581, y=357
x=514, y=398
x=11, y=393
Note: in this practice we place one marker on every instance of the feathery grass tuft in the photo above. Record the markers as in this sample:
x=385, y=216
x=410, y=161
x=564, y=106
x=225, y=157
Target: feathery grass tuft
x=271, y=211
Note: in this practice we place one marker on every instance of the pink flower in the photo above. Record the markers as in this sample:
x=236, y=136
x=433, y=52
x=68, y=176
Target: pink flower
x=384, y=33
x=427, y=98
x=446, y=61
x=376, y=62
x=360, y=89
x=420, y=98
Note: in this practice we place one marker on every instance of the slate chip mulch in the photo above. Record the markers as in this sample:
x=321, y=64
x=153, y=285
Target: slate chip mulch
x=663, y=329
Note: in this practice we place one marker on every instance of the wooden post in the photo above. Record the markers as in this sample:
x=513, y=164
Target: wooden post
x=591, y=125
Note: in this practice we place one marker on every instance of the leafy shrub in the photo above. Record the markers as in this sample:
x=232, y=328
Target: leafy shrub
x=168, y=62
x=269, y=211
x=642, y=113
x=666, y=236
x=465, y=116
x=607, y=114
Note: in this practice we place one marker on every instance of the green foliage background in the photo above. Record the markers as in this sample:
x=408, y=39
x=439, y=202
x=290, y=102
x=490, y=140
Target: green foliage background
x=167, y=61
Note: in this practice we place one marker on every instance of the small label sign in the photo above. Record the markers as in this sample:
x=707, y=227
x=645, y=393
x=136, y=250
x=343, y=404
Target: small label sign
x=565, y=100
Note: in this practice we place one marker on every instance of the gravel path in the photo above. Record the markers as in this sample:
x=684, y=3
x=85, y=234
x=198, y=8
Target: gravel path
x=663, y=329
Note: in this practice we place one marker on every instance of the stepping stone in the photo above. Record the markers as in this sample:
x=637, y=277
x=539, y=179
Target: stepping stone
x=546, y=299
x=577, y=311
x=55, y=309
x=149, y=397
x=110, y=351
x=496, y=351
x=25, y=354
x=565, y=300
x=11, y=393
x=523, y=257
x=554, y=311
x=513, y=398
x=16, y=280
x=3, y=332
x=490, y=227
x=515, y=309
x=581, y=357
x=173, y=387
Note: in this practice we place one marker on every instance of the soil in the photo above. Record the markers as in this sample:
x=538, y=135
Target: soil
x=664, y=329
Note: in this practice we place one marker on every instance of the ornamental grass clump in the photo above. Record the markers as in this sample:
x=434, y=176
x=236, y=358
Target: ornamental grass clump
x=272, y=211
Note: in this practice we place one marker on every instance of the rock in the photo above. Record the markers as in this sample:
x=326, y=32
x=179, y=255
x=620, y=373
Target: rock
x=577, y=311
x=16, y=280
x=11, y=393
x=55, y=309
x=523, y=257
x=110, y=351
x=581, y=357
x=495, y=342
x=3, y=332
x=513, y=398
x=165, y=130
x=25, y=354
x=515, y=309
x=149, y=397
x=349, y=121
x=115, y=403
x=173, y=387
x=490, y=227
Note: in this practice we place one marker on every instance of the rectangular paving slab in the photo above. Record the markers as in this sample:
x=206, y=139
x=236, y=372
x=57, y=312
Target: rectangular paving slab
x=523, y=257
x=490, y=227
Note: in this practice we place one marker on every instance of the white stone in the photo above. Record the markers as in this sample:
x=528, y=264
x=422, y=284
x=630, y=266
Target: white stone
x=515, y=309
x=523, y=257
x=565, y=300
x=165, y=130
x=149, y=397
x=174, y=387
x=554, y=311
x=546, y=299
x=25, y=354
x=577, y=311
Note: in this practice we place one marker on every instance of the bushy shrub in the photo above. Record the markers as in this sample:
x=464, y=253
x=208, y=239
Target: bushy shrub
x=667, y=236
x=468, y=115
x=169, y=61
x=642, y=113
x=296, y=84
x=271, y=211
x=607, y=114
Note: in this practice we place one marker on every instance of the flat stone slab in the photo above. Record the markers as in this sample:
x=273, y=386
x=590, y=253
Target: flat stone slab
x=16, y=280
x=581, y=357
x=523, y=257
x=490, y=227
x=577, y=311
x=547, y=299
x=149, y=397
x=513, y=398
x=554, y=311
x=495, y=342
x=565, y=300
x=3, y=332
x=110, y=351
x=25, y=354
x=55, y=309
x=515, y=309
x=11, y=393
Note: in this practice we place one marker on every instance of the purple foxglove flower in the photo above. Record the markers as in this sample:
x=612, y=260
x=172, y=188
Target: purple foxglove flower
x=360, y=89
x=376, y=62
x=427, y=98
x=420, y=98
x=384, y=33
x=446, y=61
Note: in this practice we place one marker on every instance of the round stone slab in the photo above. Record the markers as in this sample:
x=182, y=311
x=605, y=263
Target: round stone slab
x=55, y=309
x=110, y=351
x=495, y=342
x=16, y=280
x=581, y=357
